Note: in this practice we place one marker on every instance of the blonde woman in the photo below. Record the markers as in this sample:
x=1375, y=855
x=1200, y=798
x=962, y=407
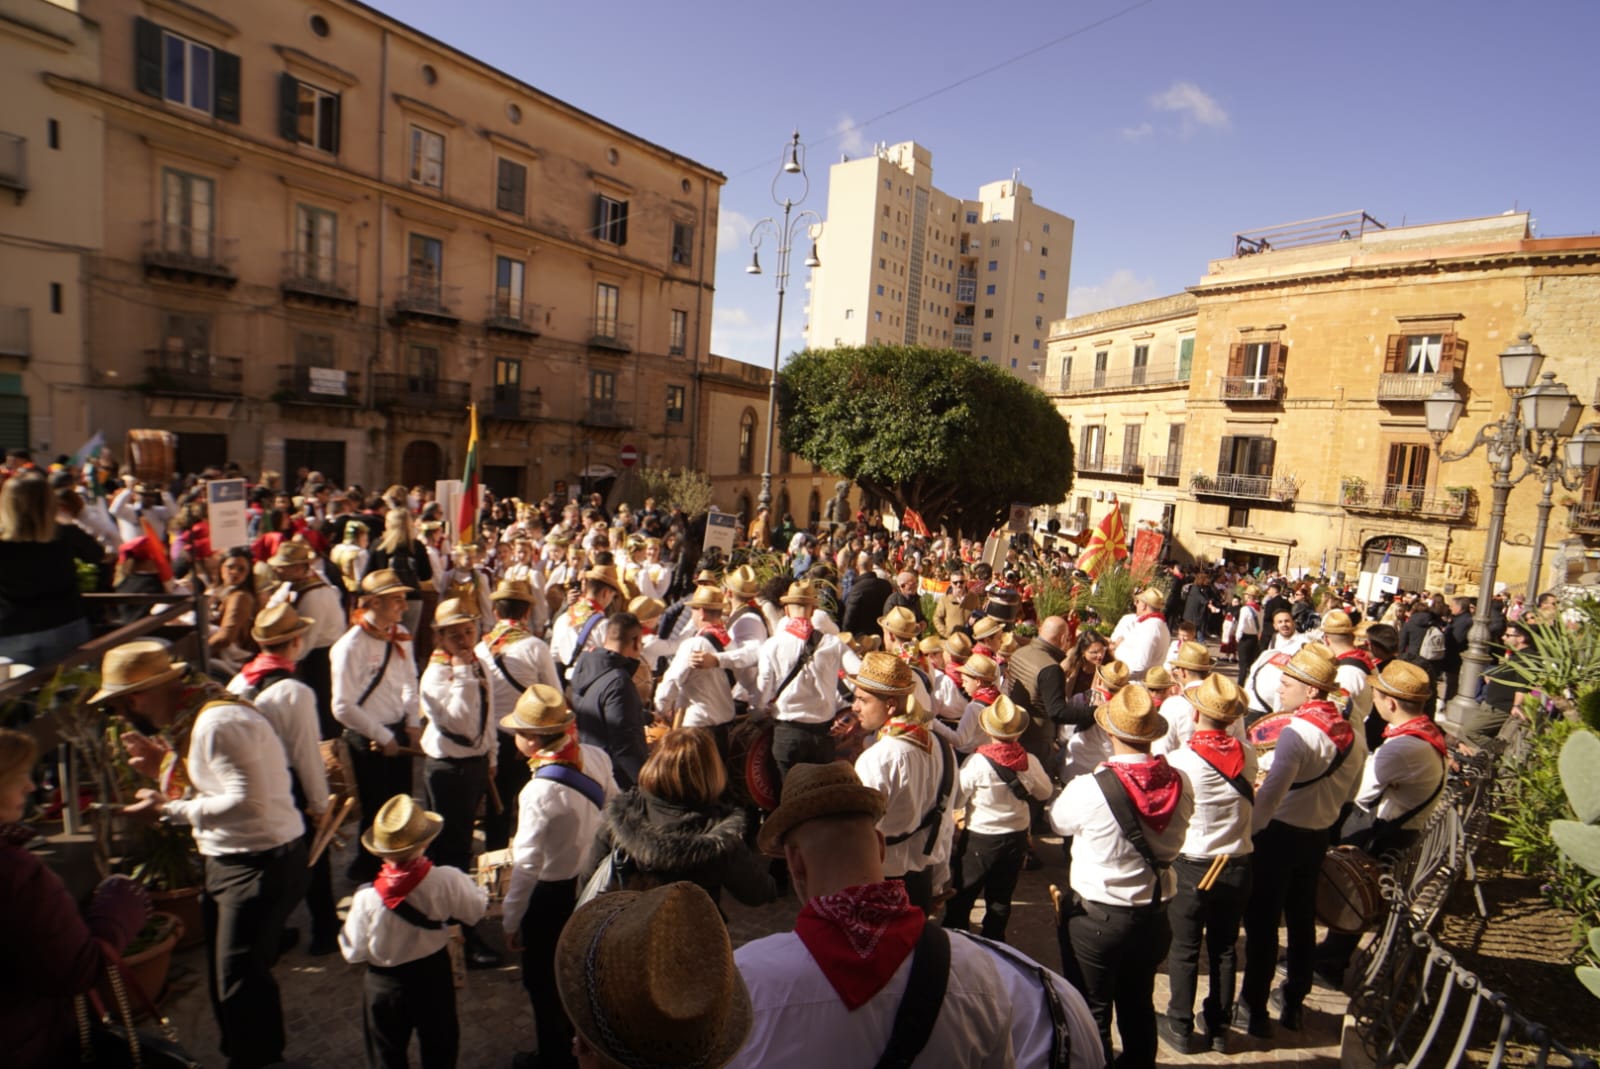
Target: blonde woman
x=400, y=550
x=42, y=614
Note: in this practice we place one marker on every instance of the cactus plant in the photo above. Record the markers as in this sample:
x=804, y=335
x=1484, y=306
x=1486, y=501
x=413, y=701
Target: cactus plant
x=1579, y=840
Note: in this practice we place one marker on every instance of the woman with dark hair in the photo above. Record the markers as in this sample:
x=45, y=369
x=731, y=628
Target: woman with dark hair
x=1086, y=655
x=233, y=609
x=675, y=825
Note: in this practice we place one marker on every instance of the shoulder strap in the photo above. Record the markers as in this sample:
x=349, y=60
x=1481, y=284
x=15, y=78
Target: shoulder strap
x=583, y=634
x=716, y=644
x=1122, y=809
x=1238, y=783
x=483, y=714
x=388, y=652
x=277, y=675
x=922, y=1001
x=930, y=819
x=1333, y=766
x=407, y=912
x=500, y=663
x=1009, y=777
x=571, y=777
x=800, y=662
x=1400, y=821
x=1061, y=1030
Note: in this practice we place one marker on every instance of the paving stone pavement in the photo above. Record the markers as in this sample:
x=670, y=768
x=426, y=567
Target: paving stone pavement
x=322, y=996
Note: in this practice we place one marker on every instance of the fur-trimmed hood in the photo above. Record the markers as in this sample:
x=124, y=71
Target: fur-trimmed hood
x=662, y=837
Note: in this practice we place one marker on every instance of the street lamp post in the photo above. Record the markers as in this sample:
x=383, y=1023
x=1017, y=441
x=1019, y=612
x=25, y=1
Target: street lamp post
x=1532, y=431
x=793, y=162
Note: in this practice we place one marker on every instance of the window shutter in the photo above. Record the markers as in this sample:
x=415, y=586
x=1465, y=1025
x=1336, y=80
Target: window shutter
x=288, y=107
x=147, y=57
x=1394, y=473
x=622, y=224
x=519, y=188
x=1266, y=450
x=226, y=105
x=1447, y=355
x=1394, y=358
x=1225, y=456
x=1275, y=359
x=336, y=105
x=1236, y=360
x=599, y=232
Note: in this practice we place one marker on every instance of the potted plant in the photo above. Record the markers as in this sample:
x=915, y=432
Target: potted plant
x=149, y=957
x=1199, y=481
x=1354, y=490
x=166, y=862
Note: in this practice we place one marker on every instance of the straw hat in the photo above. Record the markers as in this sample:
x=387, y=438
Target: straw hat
x=930, y=644
x=883, y=674
x=1194, y=657
x=801, y=592
x=706, y=597
x=452, y=611
x=1252, y=591
x=1403, y=680
x=1157, y=678
x=513, y=590
x=1150, y=596
x=707, y=577
x=277, y=624
x=401, y=826
x=647, y=608
x=1012, y=644
x=980, y=667
x=958, y=646
x=1315, y=666
x=1218, y=697
x=742, y=582
x=1002, y=719
x=649, y=979
x=291, y=553
x=1131, y=715
x=383, y=581
x=607, y=574
x=540, y=710
x=987, y=628
x=1338, y=622
x=1113, y=675
x=900, y=622
x=135, y=666
x=812, y=791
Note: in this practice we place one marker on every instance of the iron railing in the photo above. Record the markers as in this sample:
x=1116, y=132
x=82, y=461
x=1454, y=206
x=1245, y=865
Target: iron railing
x=509, y=403
x=1412, y=386
x=420, y=392
x=311, y=274
x=1246, y=388
x=189, y=249
x=607, y=333
x=1123, y=379
x=418, y=293
x=512, y=314
x=192, y=372
x=1414, y=501
x=1584, y=518
x=1163, y=465
x=1251, y=487
x=613, y=414
x=1346, y=226
x=318, y=385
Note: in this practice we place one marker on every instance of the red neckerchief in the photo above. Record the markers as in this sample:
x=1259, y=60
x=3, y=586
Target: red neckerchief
x=396, y=634
x=905, y=727
x=800, y=627
x=1420, y=727
x=1150, y=616
x=262, y=663
x=566, y=751
x=718, y=632
x=860, y=936
x=504, y=634
x=1361, y=657
x=984, y=648
x=1326, y=718
x=396, y=880
x=1153, y=787
x=1009, y=754
x=952, y=672
x=988, y=694
x=1220, y=750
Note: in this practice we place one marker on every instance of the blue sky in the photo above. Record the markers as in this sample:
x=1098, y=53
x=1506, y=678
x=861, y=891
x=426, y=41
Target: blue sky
x=1161, y=132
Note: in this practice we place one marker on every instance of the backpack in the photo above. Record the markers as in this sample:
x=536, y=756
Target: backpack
x=1432, y=648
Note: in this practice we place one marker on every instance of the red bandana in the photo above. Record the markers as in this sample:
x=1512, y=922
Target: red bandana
x=396, y=635
x=1422, y=728
x=952, y=672
x=1007, y=754
x=566, y=751
x=1150, y=616
x=799, y=627
x=913, y=731
x=860, y=936
x=718, y=632
x=1220, y=750
x=504, y=634
x=1361, y=657
x=983, y=648
x=1327, y=720
x=1153, y=787
x=987, y=694
x=395, y=881
x=262, y=663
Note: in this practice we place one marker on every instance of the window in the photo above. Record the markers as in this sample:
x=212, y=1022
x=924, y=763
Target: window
x=883, y=237
x=1174, y=449
x=1238, y=517
x=188, y=214
x=1100, y=359
x=1091, y=446
x=1038, y=322
x=1405, y=479
x=507, y=379
x=307, y=115
x=994, y=265
x=1185, y=358
x=988, y=335
x=1421, y=354
x=316, y=232
x=313, y=349
x=1131, y=433
x=508, y=280
x=675, y=402
x=1047, y=228
x=1249, y=456
x=683, y=244
x=747, y=441
x=988, y=291
x=607, y=299
x=610, y=220
x=678, y=339
x=422, y=369
x=1038, y=298
x=427, y=158
x=1066, y=372
x=877, y=317
x=849, y=313
x=1041, y=274
x=1013, y=363
x=511, y=187
x=1254, y=369
x=1036, y=343
x=1044, y=250
x=972, y=217
x=1016, y=339
x=55, y=298
x=186, y=72
x=988, y=313
x=1141, y=359
x=52, y=132
x=187, y=340
x=880, y=290
x=882, y=263
x=425, y=266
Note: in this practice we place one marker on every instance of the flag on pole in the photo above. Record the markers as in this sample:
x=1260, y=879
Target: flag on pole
x=1383, y=566
x=913, y=520
x=1107, y=545
x=471, y=489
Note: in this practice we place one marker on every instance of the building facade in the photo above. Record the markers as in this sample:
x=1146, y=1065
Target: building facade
x=328, y=234
x=904, y=263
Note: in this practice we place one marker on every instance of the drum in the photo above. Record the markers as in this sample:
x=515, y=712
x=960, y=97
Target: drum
x=494, y=873
x=153, y=456
x=1350, y=891
x=336, y=762
x=1264, y=737
x=752, y=772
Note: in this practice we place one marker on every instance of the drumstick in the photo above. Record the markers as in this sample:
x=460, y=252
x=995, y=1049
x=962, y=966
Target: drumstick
x=1210, y=878
x=331, y=820
x=1055, y=901
x=494, y=796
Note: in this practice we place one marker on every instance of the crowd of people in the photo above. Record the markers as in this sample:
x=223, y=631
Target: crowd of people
x=872, y=718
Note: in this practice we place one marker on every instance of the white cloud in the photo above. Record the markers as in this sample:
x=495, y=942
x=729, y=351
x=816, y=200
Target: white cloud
x=1122, y=287
x=1137, y=133
x=852, y=141
x=730, y=317
x=1195, y=106
x=733, y=230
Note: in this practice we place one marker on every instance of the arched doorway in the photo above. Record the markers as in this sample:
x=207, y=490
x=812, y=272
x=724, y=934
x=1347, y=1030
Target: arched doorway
x=421, y=464
x=1389, y=564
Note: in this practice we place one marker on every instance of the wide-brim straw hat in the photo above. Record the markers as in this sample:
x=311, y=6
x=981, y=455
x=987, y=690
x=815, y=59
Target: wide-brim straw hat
x=1338, y=622
x=1003, y=719
x=1157, y=678
x=801, y=592
x=1315, y=666
x=513, y=590
x=981, y=667
x=706, y=597
x=1194, y=657
x=958, y=646
x=1150, y=596
x=1131, y=715
x=1403, y=680
x=452, y=611
x=541, y=710
x=987, y=627
x=1217, y=697
x=277, y=624
x=900, y=622
x=1113, y=675
x=290, y=553
x=930, y=644
x=401, y=826
x=381, y=582
x=707, y=577
x=742, y=582
x=883, y=674
x=136, y=666
x=812, y=791
x=648, y=979
x=647, y=608
x=607, y=574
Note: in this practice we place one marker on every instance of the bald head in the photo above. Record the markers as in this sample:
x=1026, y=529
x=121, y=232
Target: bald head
x=828, y=854
x=1053, y=629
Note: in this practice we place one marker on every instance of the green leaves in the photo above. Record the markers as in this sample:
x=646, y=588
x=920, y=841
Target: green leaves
x=1580, y=776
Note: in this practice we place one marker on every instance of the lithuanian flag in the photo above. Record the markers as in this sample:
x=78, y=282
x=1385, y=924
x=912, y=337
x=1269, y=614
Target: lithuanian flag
x=471, y=487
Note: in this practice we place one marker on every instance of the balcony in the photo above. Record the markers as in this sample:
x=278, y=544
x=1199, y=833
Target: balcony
x=1584, y=518
x=1162, y=466
x=192, y=373
x=421, y=297
x=961, y=340
x=506, y=314
x=1111, y=467
x=609, y=414
x=1248, y=389
x=966, y=290
x=1407, y=387
x=14, y=165
x=190, y=254
x=606, y=333
x=1414, y=502
x=1244, y=487
x=420, y=393
x=517, y=406
x=317, y=386
x=1127, y=378
x=319, y=279
x=16, y=340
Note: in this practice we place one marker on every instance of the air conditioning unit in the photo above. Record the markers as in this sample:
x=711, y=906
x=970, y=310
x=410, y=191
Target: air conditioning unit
x=1099, y=495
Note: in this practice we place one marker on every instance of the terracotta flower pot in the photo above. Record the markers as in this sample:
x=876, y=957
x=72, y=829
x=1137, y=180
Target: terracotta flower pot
x=184, y=903
x=148, y=967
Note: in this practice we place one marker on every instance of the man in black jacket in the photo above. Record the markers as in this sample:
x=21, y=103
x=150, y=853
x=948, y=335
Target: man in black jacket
x=868, y=595
x=609, y=711
x=906, y=595
x=1455, y=643
x=1275, y=603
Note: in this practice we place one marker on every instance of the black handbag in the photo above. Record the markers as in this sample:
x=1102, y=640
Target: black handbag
x=114, y=1043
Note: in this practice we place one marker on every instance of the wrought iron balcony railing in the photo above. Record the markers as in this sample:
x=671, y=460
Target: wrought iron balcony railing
x=193, y=373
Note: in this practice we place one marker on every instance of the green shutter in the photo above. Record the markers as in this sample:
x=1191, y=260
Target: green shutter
x=147, y=57
x=226, y=103
x=288, y=107
x=1185, y=358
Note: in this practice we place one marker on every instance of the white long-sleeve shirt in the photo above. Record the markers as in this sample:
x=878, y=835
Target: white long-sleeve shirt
x=1303, y=752
x=454, y=699
x=1106, y=867
x=321, y=603
x=1145, y=646
x=528, y=660
x=747, y=632
x=1220, y=823
x=556, y=825
x=909, y=778
x=812, y=696
x=702, y=693
x=654, y=580
x=991, y=807
x=241, y=801
x=356, y=659
x=564, y=637
x=291, y=708
x=1402, y=773
x=376, y=934
x=1032, y=1027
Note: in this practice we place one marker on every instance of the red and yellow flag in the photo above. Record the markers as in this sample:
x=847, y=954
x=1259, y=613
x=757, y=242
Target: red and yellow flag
x=467, y=512
x=1107, y=545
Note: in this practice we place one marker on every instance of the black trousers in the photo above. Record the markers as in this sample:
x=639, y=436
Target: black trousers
x=378, y=779
x=1214, y=915
x=1249, y=649
x=988, y=865
x=415, y=996
x=247, y=898
x=510, y=776
x=455, y=787
x=316, y=671
x=549, y=908
x=1118, y=950
x=800, y=744
x=1288, y=861
x=919, y=887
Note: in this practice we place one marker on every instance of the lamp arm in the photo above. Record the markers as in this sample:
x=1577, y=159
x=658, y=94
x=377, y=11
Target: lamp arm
x=1488, y=434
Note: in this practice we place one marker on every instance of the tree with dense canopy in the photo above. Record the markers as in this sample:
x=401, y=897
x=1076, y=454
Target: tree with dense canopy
x=931, y=429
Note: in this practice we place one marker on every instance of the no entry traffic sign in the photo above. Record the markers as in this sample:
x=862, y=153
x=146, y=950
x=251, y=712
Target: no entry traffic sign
x=629, y=456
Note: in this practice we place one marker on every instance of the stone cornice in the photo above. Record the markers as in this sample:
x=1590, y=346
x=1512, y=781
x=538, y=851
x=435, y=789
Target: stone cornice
x=298, y=62
x=1510, y=258
x=195, y=17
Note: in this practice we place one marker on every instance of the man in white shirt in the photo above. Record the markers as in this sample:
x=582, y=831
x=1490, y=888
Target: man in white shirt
x=704, y=694
x=746, y=629
x=582, y=627
x=1191, y=667
x=513, y=659
x=301, y=585
x=1261, y=685
x=137, y=502
x=222, y=772
x=1355, y=665
x=1146, y=642
x=798, y=677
